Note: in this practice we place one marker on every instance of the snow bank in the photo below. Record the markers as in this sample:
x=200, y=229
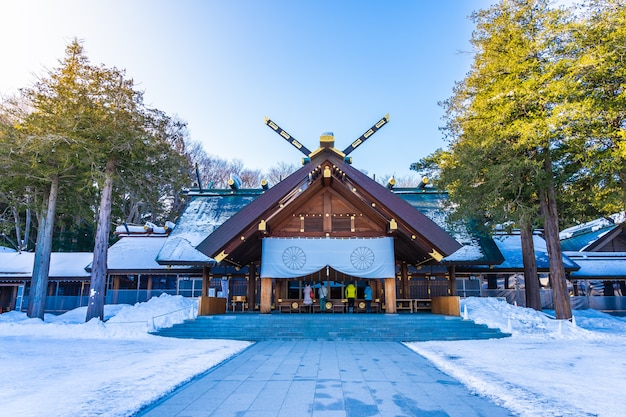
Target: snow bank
x=548, y=368
x=65, y=367
x=121, y=320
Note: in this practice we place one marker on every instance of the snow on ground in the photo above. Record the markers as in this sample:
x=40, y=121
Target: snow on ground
x=547, y=368
x=64, y=367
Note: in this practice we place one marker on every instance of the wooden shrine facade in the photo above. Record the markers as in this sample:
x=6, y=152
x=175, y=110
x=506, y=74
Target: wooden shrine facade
x=325, y=201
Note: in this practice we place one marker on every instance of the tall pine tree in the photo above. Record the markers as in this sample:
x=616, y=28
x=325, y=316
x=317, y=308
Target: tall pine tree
x=503, y=126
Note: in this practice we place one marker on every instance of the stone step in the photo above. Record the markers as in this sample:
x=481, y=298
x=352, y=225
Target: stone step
x=367, y=327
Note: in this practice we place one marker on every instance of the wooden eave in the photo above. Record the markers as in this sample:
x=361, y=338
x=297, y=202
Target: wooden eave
x=238, y=240
x=406, y=215
x=251, y=214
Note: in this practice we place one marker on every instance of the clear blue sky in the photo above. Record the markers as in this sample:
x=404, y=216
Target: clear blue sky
x=222, y=66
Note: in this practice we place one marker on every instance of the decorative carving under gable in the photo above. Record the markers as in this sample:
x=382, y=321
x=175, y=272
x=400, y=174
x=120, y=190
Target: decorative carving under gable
x=328, y=213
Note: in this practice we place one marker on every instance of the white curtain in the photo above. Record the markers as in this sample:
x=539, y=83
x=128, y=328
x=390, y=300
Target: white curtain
x=294, y=257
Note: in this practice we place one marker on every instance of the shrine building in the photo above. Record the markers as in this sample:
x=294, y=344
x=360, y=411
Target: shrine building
x=325, y=223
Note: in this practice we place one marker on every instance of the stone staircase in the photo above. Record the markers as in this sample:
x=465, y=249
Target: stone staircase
x=339, y=327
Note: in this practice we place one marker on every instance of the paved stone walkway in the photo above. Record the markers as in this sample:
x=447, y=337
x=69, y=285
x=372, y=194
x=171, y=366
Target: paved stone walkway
x=324, y=379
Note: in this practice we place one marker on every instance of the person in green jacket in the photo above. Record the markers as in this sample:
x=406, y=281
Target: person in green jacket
x=350, y=295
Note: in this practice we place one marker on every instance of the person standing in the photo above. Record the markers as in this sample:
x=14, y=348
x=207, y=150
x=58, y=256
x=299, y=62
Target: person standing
x=308, y=297
x=368, y=299
x=323, y=293
x=350, y=295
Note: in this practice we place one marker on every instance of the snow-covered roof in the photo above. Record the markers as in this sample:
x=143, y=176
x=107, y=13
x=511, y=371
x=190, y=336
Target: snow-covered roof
x=62, y=264
x=467, y=253
x=137, y=254
x=582, y=236
x=510, y=246
x=584, y=228
x=598, y=265
x=129, y=255
x=204, y=213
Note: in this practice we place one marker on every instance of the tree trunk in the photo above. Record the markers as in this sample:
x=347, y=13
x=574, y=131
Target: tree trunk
x=95, y=305
x=18, y=231
x=562, y=307
x=531, y=279
x=27, y=229
x=43, y=249
x=622, y=183
x=134, y=214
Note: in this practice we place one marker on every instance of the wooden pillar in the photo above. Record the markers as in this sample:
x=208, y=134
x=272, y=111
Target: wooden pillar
x=452, y=283
x=149, y=287
x=206, y=280
x=390, y=295
x=116, y=288
x=251, y=297
x=266, y=295
x=404, y=276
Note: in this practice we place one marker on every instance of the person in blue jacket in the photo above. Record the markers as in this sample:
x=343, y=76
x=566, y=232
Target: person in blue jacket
x=368, y=298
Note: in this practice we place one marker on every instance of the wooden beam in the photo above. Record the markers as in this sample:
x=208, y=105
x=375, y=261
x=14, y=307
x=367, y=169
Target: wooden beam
x=206, y=280
x=266, y=295
x=327, y=212
x=452, y=271
x=404, y=276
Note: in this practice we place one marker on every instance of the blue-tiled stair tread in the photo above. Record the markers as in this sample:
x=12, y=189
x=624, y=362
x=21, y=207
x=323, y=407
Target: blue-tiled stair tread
x=372, y=327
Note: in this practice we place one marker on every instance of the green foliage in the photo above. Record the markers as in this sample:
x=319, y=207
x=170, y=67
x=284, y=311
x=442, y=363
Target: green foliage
x=544, y=86
x=68, y=124
x=500, y=118
x=506, y=124
x=597, y=111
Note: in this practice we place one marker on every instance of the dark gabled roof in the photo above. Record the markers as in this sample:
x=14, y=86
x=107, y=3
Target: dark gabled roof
x=426, y=227
x=237, y=231
x=241, y=220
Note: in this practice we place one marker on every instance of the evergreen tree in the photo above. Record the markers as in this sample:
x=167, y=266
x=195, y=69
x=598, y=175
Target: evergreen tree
x=84, y=127
x=46, y=149
x=504, y=126
x=131, y=142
